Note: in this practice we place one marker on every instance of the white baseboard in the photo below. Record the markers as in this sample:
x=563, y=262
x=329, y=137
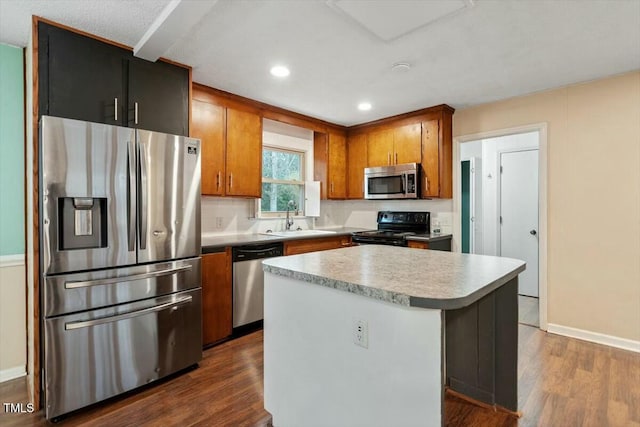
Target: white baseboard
x=11, y=260
x=12, y=373
x=598, y=338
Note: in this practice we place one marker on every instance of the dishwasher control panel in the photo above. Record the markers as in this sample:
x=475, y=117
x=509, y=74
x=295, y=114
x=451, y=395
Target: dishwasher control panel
x=249, y=252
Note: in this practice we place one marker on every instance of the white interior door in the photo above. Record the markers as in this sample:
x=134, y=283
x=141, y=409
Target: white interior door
x=519, y=214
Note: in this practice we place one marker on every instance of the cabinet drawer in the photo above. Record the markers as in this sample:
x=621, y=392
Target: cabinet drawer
x=295, y=247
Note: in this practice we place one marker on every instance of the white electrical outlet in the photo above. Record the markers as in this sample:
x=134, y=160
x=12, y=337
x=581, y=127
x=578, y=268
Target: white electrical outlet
x=361, y=333
x=218, y=222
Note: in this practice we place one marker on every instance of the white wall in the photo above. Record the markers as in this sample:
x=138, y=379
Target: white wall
x=237, y=215
x=593, y=159
x=13, y=328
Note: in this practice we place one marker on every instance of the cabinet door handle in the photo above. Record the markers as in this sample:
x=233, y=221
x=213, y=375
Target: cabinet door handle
x=388, y=158
x=396, y=158
x=426, y=184
x=230, y=180
x=218, y=180
x=115, y=109
x=332, y=188
x=135, y=112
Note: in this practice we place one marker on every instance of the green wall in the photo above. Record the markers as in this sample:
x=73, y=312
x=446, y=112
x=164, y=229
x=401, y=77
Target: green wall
x=11, y=150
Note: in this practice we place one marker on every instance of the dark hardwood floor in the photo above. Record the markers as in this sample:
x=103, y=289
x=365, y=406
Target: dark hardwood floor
x=562, y=382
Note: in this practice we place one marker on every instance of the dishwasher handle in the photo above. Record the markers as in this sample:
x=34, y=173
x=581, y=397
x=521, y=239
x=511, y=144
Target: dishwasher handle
x=247, y=253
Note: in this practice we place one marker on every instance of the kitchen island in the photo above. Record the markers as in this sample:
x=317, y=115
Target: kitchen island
x=371, y=335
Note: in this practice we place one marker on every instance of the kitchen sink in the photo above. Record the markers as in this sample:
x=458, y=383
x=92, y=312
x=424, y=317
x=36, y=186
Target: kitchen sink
x=299, y=233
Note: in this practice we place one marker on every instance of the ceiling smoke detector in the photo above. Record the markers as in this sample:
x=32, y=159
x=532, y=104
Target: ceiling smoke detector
x=400, y=67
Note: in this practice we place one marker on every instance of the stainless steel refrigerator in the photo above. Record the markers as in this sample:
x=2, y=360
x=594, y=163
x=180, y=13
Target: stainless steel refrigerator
x=119, y=259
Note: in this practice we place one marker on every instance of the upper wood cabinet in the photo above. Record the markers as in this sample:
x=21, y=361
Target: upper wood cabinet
x=158, y=97
x=394, y=146
x=208, y=124
x=356, y=162
x=244, y=154
x=437, y=157
x=423, y=137
x=337, y=184
x=231, y=159
x=80, y=77
x=330, y=164
x=217, y=297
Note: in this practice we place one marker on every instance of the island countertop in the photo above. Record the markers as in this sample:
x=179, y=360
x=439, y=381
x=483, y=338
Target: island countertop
x=403, y=276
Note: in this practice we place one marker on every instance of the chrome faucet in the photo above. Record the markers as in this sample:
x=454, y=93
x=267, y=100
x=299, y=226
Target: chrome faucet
x=289, y=221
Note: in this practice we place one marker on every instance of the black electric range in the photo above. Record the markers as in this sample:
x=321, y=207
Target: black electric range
x=394, y=227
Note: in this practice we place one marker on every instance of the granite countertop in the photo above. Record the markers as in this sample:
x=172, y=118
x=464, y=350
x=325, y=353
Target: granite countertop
x=404, y=276
x=213, y=242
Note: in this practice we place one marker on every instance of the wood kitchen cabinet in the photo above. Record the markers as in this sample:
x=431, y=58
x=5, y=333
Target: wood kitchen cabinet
x=437, y=158
x=208, y=124
x=217, y=297
x=158, y=97
x=231, y=147
x=295, y=247
x=394, y=146
x=356, y=162
x=80, y=77
x=330, y=164
x=423, y=137
x=244, y=154
x=438, y=245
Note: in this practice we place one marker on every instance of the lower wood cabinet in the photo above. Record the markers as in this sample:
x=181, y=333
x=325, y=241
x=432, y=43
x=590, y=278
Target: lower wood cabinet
x=438, y=245
x=217, y=297
x=295, y=247
x=418, y=245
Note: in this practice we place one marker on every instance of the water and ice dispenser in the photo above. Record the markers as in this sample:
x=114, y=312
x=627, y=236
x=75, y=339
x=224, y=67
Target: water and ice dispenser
x=82, y=222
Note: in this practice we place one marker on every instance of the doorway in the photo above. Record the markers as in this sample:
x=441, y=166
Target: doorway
x=503, y=212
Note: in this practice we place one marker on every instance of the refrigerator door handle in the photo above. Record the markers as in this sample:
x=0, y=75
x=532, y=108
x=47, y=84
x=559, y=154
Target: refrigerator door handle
x=131, y=211
x=136, y=313
x=143, y=197
x=110, y=280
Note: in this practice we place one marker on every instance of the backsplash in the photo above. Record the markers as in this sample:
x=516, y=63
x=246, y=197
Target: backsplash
x=225, y=215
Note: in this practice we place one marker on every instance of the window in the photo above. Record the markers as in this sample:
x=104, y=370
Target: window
x=282, y=181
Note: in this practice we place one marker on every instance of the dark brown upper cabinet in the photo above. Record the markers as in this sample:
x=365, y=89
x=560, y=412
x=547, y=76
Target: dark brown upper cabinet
x=80, y=77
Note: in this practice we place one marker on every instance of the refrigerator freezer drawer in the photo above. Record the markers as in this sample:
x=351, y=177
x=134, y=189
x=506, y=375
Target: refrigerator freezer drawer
x=94, y=355
x=76, y=292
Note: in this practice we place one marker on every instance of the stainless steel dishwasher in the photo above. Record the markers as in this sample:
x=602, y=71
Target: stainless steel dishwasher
x=248, y=282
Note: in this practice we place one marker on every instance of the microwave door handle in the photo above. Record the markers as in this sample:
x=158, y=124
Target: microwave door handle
x=403, y=183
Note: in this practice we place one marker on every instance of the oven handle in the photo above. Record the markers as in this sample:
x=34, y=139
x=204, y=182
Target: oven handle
x=136, y=313
x=368, y=240
x=109, y=280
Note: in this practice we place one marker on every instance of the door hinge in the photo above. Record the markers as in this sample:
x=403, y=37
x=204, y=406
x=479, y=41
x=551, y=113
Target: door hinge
x=500, y=219
x=500, y=169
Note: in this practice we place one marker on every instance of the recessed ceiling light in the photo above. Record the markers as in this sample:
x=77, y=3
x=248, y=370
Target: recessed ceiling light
x=364, y=106
x=280, y=71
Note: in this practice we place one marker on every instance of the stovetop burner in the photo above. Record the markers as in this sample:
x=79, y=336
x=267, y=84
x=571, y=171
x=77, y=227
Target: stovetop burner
x=394, y=227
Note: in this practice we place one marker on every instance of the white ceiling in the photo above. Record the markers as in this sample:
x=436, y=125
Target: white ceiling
x=340, y=53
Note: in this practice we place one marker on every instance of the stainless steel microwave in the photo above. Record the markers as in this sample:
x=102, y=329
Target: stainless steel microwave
x=392, y=182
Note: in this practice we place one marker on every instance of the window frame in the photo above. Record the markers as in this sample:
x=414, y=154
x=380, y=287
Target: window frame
x=280, y=214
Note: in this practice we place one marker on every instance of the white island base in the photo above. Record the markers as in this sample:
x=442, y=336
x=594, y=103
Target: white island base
x=316, y=376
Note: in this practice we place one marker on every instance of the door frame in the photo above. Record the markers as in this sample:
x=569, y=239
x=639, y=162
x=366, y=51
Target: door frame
x=543, y=162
